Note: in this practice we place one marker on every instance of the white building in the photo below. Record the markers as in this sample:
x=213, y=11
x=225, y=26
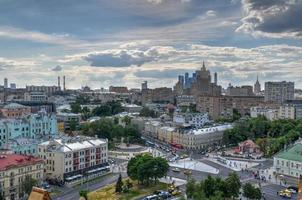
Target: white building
x=289, y=162
x=270, y=114
x=192, y=119
x=69, y=159
x=287, y=112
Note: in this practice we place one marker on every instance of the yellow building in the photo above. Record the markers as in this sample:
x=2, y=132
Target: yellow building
x=13, y=170
x=61, y=126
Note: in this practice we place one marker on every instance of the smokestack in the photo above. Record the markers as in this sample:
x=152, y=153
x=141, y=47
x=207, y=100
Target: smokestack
x=215, y=78
x=64, y=88
x=59, y=82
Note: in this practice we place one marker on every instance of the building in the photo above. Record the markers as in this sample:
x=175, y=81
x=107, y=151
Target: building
x=245, y=90
x=185, y=100
x=297, y=104
x=48, y=90
x=257, y=87
x=248, y=147
x=224, y=106
x=270, y=113
x=132, y=108
x=287, y=111
x=200, y=138
x=289, y=162
x=14, y=110
x=158, y=95
x=5, y=83
x=70, y=159
x=118, y=89
x=39, y=194
x=35, y=96
x=13, y=171
x=71, y=120
x=279, y=91
x=144, y=85
x=34, y=126
x=192, y=119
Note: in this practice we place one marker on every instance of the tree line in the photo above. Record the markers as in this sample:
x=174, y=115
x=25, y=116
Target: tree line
x=271, y=136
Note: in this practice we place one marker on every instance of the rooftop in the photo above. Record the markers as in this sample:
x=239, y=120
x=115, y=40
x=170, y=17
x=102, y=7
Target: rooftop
x=293, y=154
x=210, y=129
x=14, y=106
x=15, y=160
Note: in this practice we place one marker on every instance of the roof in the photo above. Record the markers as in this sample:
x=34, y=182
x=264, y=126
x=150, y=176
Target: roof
x=39, y=194
x=210, y=129
x=14, y=106
x=15, y=160
x=293, y=154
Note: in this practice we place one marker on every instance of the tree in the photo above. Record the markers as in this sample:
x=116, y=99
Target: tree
x=119, y=184
x=84, y=194
x=145, y=168
x=146, y=112
x=233, y=184
x=126, y=120
x=27, y=184
x=251, y=192
x=73, y=125
x=75, y=108
x=190, y=188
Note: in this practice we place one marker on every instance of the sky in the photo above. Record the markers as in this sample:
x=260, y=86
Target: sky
x=125, y=42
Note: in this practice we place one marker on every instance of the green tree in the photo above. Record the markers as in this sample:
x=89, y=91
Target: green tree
x=119, y=184
x=127, y=120
x=27, y=184
x=75, y=108
x=73, y=125
x=233, y=185
x=190, y=188
x=84, y=194
x=146, y=112
x=251, y=192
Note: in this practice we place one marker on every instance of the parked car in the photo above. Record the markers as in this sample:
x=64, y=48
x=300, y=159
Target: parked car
x=293, y=189
x=285, y=193
x=175, y=169
x=151, y=197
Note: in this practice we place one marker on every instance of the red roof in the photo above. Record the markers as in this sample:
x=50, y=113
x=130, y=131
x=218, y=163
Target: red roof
x=15, y=160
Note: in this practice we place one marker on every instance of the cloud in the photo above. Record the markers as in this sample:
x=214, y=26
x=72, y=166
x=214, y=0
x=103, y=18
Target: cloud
x=126, y=58
x=211, y=13
x=57, y=68
x=276, y=19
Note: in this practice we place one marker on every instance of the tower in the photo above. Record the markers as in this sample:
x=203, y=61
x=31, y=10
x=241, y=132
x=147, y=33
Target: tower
x=144, y=85
x=59, y=82
x=257, y=87
x=64, y=86
x=215, y=78
x=5, y=83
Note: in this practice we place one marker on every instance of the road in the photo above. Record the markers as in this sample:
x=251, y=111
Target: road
x=69, y=193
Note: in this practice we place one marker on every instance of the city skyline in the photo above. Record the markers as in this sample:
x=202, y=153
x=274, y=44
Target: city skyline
x=100, y=43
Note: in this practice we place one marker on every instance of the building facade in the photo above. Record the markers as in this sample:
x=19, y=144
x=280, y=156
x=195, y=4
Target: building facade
x=279, y=91
x=70, y=159
x=13, y=171
x=14, y=110
x=289, y=162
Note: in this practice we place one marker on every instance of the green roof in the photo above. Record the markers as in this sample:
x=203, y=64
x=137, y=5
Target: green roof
x=293, y=154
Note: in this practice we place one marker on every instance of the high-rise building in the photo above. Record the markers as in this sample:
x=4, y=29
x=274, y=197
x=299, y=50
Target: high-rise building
x=5, y=83
x=59, y=82
x=144, y=85
x=64, y=86
x=215, y=78
x=279, y=92
x=13, y=86
x=257, y=87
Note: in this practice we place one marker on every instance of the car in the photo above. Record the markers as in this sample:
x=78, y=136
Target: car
x=176, y=169
x=285, y=193
x=151, y=197
x=293, y=189
x=164, y=195
x=187, y=172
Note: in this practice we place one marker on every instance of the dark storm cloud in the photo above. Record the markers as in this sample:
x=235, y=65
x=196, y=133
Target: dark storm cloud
x=275, y=18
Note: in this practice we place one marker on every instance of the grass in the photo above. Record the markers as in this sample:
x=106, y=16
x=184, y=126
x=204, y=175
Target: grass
x=138, y=191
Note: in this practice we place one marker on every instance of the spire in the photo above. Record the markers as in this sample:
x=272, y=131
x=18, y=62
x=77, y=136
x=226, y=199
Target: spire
x=203, y=66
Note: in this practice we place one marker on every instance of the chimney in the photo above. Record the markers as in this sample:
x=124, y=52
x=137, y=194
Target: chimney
x=59, y=83
x=64, y=86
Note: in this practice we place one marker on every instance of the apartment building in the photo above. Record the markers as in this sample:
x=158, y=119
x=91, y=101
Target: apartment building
x=279, y=91
x=270, y=113
x=13, y=171
x=192, y=119
x=14, y=110
x=70, y=159
x=34, y=126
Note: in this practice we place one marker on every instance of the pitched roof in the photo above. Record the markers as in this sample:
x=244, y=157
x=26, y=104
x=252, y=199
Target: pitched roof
x=16, y=160
x=293, y=154
x=39, y=194
x=13, y=106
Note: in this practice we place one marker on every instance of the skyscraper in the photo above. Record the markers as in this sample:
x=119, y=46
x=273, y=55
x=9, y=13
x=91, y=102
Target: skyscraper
x=257, y=87
x=5, y=83
x=279, y=91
